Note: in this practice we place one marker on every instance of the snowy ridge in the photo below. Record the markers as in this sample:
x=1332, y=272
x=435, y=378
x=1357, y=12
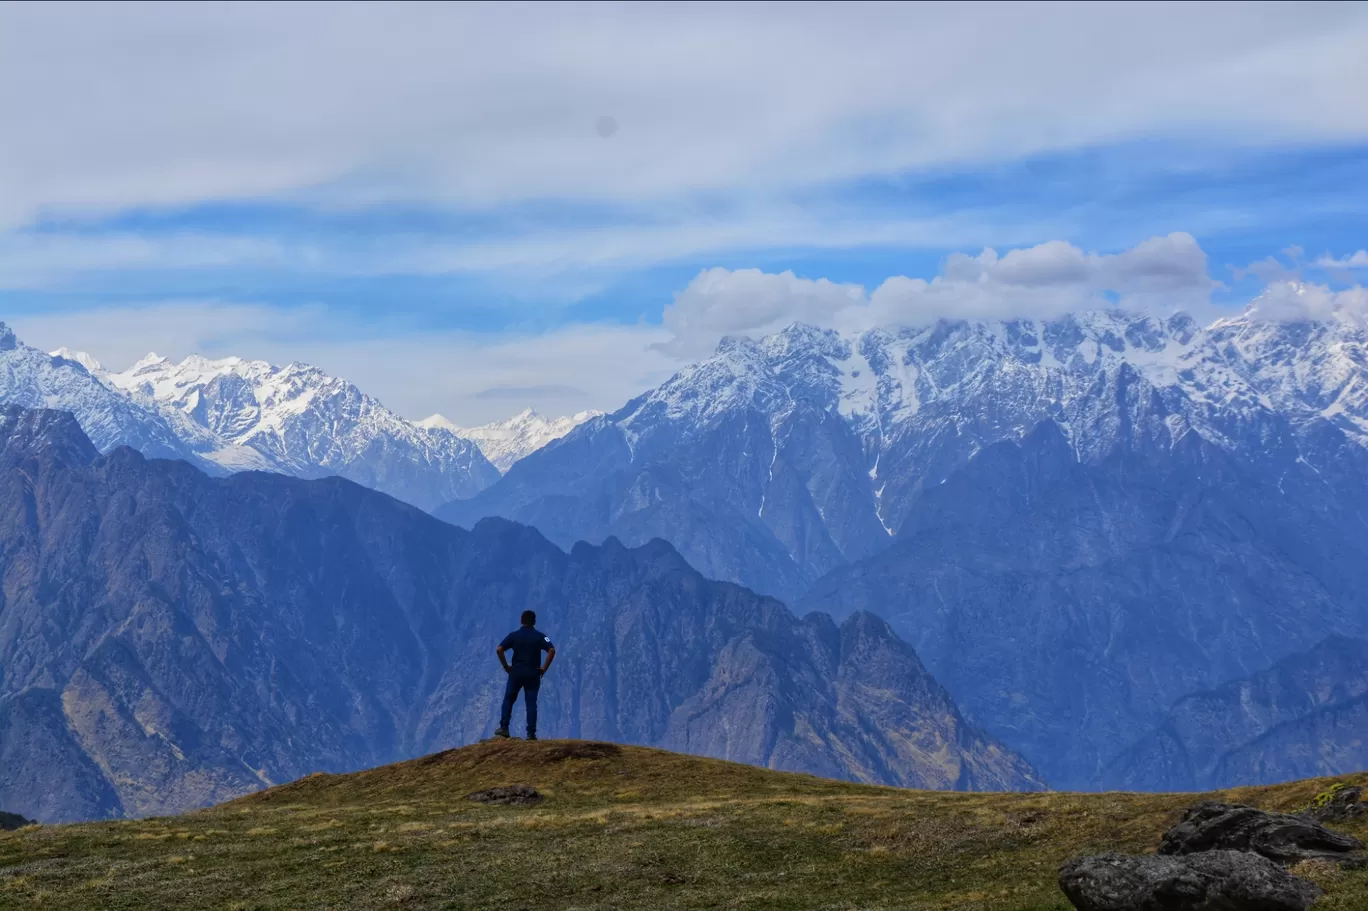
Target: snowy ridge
x=306, y=423
x=882, y=379
x=71, y=381
x=924, y=400
x=505, y=442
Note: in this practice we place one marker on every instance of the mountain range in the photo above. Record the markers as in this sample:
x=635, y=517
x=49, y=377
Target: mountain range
x=817, y=445
x=233, y=414
x=170, y=639
x=1077, y=522
x=309, y=424
x=33, y=379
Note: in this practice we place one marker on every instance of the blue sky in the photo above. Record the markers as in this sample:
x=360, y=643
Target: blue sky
x=418, y=198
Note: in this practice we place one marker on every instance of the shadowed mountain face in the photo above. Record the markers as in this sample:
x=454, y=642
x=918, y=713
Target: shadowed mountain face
x=1307, y=716
x=169, y=640
x=1069, y=604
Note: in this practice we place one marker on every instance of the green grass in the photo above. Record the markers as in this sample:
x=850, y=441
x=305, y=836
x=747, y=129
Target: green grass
x=635, y=828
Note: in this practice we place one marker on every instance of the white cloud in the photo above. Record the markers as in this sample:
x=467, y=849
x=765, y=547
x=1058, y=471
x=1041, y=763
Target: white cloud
x=1040, y=281
x=112, y=106
x=1357, y=260
x=1291, y=301
x=722, y=302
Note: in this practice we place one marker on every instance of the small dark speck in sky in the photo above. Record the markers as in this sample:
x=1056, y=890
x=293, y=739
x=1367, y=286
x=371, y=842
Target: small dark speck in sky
x=606, y=126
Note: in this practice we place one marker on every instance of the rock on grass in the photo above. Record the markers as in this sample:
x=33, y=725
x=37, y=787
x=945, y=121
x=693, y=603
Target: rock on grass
x=1279, y=837
x=1210, y=881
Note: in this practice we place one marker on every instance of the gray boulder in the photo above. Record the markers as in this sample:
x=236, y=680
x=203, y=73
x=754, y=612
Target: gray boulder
x=1211, y=881
x=1280, y=837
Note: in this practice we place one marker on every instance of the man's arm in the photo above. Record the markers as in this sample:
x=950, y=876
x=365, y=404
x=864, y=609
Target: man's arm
x=504, y=661
x=550, y=656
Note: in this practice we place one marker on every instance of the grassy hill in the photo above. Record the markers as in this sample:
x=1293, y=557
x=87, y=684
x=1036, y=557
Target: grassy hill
x=621, y=827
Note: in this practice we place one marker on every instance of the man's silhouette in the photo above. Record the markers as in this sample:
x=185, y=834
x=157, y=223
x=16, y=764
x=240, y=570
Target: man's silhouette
x=525, y=672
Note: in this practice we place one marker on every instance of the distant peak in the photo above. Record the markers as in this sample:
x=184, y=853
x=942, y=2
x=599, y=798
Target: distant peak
x=79, y=357
x=438, y=422
x=740, y=343
x=151, y=359
x=7, y=340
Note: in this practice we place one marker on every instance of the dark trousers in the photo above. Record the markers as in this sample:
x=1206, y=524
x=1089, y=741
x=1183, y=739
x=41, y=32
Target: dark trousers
x=529, y=683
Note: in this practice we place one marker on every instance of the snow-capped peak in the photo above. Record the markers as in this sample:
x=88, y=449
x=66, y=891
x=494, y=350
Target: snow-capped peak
x=438, y=422
x=505, y=442
x=91, y=365
x=148, y=361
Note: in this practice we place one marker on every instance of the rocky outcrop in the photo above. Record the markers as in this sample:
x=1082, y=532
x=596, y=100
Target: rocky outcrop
x=1280, y=837
x=169, y=639
x=1213, y=881
x=1219, y=857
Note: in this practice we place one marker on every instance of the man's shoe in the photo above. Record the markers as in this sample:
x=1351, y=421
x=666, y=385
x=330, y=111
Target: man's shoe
x=501, y=732
x=531, y=736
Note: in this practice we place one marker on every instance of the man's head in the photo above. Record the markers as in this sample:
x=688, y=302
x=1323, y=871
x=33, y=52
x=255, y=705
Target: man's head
x=529, y=618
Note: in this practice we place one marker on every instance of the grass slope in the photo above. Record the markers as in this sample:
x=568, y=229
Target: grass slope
x=621, y=828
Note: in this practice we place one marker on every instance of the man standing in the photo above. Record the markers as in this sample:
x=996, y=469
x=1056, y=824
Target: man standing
x=525, y=673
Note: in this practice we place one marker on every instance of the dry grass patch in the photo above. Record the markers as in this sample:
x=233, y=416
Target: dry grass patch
x=620, y=827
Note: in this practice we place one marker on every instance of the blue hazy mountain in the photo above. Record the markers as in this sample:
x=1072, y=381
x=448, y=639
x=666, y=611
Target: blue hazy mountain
x=1304, y=717
x=1077, y=521
x=170, y=639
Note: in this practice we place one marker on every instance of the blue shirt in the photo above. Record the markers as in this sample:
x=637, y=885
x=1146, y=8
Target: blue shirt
x=527, y=645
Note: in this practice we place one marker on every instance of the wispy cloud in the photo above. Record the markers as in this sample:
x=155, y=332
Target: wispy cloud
x=471, y=105
x=1358, y=260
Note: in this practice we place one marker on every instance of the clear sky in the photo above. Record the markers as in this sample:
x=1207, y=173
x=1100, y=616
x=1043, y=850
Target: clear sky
x=472, y=209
